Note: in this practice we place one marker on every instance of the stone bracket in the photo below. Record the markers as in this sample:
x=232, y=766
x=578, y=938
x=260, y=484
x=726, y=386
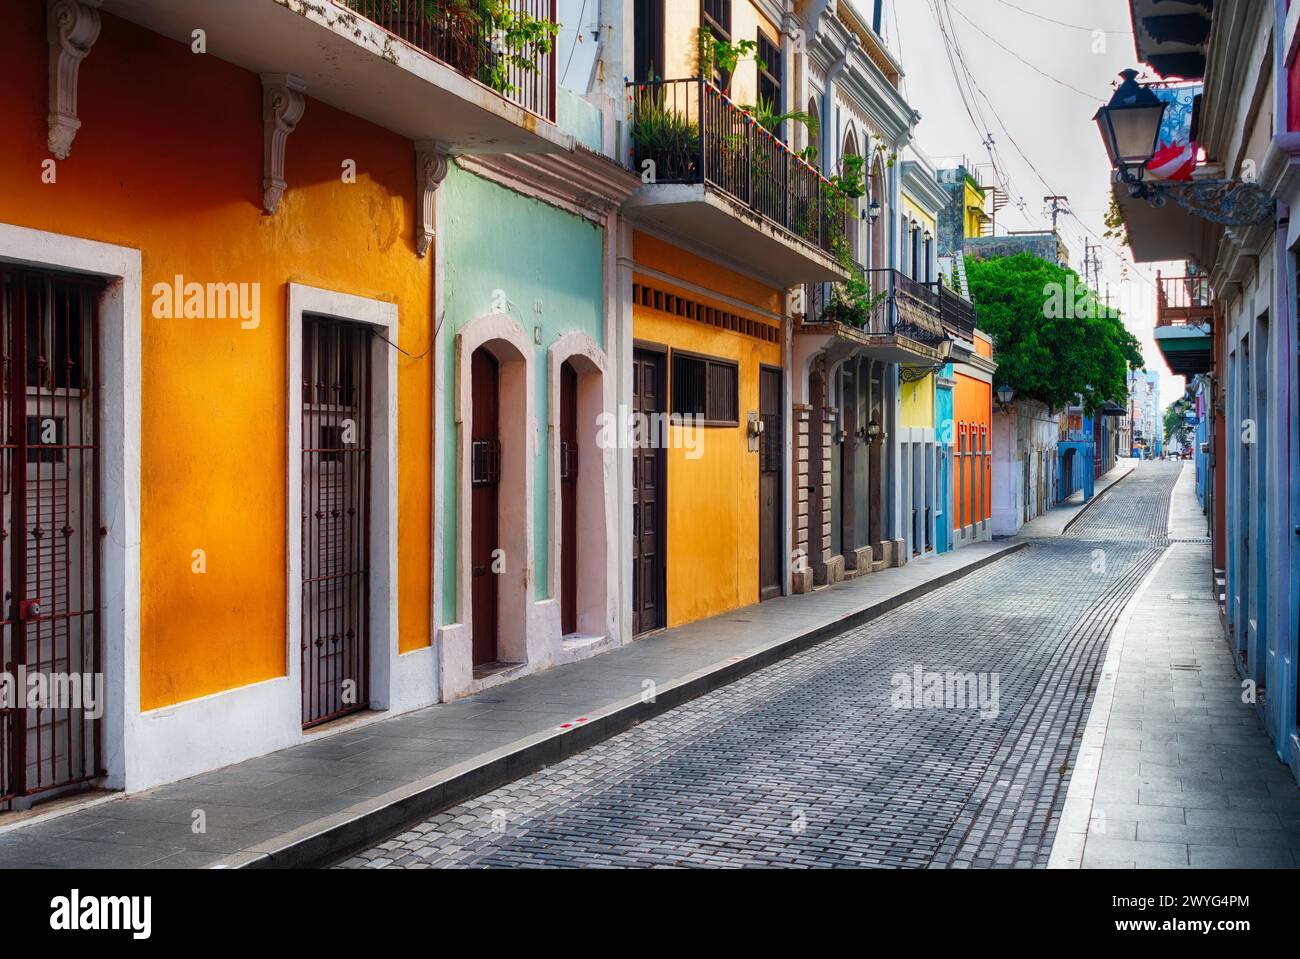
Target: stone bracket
x=72, y=27
x=282, y=108
x=430, y=171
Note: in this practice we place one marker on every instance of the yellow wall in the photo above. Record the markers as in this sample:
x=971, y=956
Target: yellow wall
x=975, y=211
x=712, y=501
x=918, y=404
x=916, y=213
x=169, y=161
x=682, y=21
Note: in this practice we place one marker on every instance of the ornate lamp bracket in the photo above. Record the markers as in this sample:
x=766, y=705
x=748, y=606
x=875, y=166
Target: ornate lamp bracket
x=282, y=108
x=72, y=27
x=430, y=171
x=1226, y=202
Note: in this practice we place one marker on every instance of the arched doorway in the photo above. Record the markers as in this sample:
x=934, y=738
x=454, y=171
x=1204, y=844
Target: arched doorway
x=485, y=512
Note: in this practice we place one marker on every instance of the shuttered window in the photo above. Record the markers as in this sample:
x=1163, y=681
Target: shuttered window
x=706, y=387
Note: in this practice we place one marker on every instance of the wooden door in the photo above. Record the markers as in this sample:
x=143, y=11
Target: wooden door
x=568, y=499
x=771, y=453
x=649, y=393
x=485, y=466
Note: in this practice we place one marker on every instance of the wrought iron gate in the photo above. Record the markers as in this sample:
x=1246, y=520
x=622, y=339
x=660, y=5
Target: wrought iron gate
x=336, y=435
x=49, y=544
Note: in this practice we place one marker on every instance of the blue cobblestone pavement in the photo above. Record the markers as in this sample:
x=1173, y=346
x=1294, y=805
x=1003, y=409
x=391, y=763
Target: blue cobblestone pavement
x=821, y=760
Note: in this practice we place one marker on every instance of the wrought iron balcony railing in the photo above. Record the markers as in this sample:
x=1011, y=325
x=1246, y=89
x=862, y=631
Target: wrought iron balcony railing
x=905, y=307
x=958, y=314
x=463, y=35
x=689, y=131
x=1184, y=301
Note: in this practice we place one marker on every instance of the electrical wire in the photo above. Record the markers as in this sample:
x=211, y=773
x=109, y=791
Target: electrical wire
x=1062, y=23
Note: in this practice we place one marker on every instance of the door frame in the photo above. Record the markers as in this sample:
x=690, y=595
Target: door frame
x=660, y=350
x=120, y=305
x=597, y=563
x=382, y=316
x=778, y=527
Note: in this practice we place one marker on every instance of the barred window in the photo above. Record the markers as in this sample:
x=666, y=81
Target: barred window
x=706, y=387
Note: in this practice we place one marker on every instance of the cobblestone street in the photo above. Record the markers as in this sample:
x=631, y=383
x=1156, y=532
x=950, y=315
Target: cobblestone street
x=815, y=761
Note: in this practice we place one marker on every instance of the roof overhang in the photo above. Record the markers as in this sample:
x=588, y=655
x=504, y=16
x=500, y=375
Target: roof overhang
x=1187, y=350
x=1172, y=36
x=1169, y=232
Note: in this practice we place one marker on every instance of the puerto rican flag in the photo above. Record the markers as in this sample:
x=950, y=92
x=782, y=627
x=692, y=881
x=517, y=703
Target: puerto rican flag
x=1173, y=162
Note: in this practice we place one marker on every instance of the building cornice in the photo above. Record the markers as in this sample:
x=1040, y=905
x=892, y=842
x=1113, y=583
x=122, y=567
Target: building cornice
x=582, y=182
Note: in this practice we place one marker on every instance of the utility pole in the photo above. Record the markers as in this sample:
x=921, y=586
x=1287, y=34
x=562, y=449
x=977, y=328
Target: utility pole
x=1056, y=206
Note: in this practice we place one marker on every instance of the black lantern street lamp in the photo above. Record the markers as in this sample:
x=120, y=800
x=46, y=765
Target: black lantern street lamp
x=1006, y=394
x=873, y=211
x=1130, y=129
x=1130, y=126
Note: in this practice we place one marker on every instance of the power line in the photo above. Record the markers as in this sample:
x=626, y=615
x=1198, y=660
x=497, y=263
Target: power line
x=1062, y=23
x=1016, y=146
x=1039, y=71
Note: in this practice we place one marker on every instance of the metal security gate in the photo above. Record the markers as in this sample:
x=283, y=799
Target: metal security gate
x=336, y=436
x=49, y=545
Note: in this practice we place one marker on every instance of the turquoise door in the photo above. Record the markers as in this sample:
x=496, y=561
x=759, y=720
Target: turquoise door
x=943, y=532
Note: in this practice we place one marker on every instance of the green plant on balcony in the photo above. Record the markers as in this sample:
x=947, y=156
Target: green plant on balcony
x=665, y=137
x=486, y=39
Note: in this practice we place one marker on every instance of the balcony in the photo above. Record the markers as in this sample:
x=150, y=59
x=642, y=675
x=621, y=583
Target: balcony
x=903, y=322
x=411, y=66
x=718, y=178
x=957, y=314
x=1184, y=323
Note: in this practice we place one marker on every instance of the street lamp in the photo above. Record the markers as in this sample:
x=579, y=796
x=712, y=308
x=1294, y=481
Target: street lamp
x=1130, y=129
x=1130, y=126
x=873, y=211
x=1006, y=393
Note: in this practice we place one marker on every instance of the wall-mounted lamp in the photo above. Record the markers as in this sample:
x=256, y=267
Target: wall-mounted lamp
x=1006, y=394
x=873, y=211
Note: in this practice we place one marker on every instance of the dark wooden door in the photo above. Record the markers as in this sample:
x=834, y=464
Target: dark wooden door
x=568, y=499
x=771, y=451
x=649, y=392
x=485, y=452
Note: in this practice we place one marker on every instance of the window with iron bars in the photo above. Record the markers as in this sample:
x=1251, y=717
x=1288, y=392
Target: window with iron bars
x=706, y=387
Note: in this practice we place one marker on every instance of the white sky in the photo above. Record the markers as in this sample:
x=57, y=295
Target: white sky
x=1051, y=123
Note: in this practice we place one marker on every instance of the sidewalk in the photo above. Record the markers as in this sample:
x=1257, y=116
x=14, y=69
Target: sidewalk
x=1057, y=520
x=1175, y=771
x=309, y=803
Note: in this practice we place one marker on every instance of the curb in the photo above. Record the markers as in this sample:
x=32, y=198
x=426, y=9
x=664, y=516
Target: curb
x=1097, y=497
x=333, y=837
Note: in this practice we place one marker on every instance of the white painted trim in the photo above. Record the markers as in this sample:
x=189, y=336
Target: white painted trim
x=120, y=310
x=597, y=615
x=519, y=432
x=388, y=689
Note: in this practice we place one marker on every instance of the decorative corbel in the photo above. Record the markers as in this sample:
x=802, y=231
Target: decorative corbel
x=430, y=171
x=282, y=107
x=72, y=27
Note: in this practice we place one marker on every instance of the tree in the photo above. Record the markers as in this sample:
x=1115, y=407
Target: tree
x=1054, y=339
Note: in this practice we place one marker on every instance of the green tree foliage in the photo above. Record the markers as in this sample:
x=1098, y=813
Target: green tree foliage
x=1046, y=352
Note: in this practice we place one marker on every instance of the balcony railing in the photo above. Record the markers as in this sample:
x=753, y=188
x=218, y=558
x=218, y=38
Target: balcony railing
x=1184, y=301
x=460, y=34
x=905, y=307
x=689, y=131
x=958, y=314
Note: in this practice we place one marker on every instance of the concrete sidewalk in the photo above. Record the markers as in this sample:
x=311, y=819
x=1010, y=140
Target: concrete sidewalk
x=1175, y=771
x=312, y=802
